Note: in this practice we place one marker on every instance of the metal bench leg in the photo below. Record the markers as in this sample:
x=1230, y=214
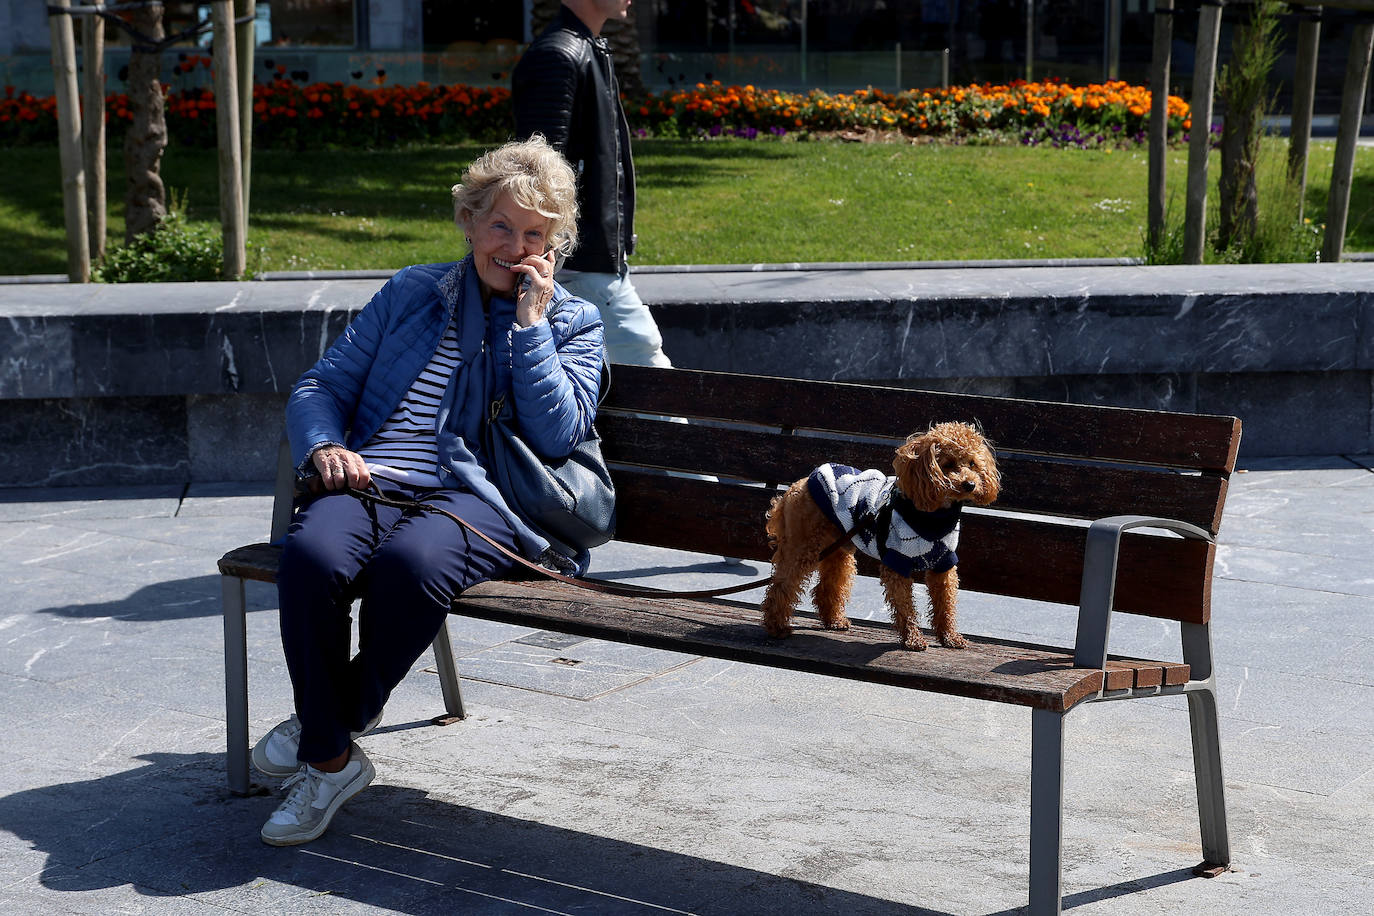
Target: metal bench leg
x=236, y=684
x=1047, y=811
x=448, y=679
x=1202, y=721
x=1211, y=791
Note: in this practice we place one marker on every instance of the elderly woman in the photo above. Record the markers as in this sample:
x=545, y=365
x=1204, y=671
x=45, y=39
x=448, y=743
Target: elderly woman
x=400, y=399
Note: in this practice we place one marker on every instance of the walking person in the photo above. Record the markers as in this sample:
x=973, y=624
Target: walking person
x=565, y=88
x=400, y=400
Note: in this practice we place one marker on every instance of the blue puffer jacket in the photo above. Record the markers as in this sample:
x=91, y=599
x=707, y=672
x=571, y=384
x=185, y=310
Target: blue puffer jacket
x=551, y=370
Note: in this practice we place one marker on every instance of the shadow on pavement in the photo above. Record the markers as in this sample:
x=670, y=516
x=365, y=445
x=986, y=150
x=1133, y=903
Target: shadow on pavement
x=169, y=829
x=180, y=599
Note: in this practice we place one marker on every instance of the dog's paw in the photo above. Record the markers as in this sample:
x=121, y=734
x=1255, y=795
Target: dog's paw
x=953, y=641
x=837, y=623
x=914, y=643
x=777, y=630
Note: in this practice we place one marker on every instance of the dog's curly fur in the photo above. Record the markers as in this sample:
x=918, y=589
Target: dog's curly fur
x=950, y=462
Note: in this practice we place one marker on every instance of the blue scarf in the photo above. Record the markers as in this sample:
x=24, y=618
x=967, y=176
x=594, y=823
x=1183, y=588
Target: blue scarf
x=475, y=382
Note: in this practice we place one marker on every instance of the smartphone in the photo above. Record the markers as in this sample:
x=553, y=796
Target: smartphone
x=523, y=283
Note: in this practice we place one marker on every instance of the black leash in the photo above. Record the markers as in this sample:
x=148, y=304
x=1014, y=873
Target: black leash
x=375, y=495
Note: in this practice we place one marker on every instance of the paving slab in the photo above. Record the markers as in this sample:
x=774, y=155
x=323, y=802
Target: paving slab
x=597, y=778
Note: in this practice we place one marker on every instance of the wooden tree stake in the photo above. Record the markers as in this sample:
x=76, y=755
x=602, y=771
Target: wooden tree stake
x=93, y=129
x=227, y=124
x=69, y=143
x=1343, y=168
x=247, y=41
x=1304, y=98
x=1159, y=119
x=1200, y=134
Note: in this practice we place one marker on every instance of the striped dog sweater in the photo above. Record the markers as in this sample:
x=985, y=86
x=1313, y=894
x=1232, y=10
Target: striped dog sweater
x=898, y=535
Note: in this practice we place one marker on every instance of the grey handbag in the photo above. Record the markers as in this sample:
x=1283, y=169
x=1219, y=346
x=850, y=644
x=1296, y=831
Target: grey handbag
x=570, y=500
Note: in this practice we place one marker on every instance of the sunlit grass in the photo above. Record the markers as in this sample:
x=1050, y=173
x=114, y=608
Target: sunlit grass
x=699, y=202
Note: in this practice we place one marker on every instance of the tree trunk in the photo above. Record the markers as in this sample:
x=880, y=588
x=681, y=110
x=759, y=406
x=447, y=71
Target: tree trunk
x=1239, y=198
x=145, y=200
x=1243, y=88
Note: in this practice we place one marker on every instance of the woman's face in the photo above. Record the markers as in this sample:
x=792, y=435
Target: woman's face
x=506, y=235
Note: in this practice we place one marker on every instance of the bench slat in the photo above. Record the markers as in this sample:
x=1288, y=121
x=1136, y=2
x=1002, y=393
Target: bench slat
x=255, y=561
x=1029, y=484
x=1036, y=676
x=869, y=651
x=1165, y=577
x=1114, y=434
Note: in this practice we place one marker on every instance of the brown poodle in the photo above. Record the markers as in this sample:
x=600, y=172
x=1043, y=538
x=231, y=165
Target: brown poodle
x=908, y=522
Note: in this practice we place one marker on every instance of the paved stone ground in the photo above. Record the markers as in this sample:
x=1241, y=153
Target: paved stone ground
x=644, y=782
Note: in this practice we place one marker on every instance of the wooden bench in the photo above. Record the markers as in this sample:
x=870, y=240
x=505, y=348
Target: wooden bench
x=1076, y=481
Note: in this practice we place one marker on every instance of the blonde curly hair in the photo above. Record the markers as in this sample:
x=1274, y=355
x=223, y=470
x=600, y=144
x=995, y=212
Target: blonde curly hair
x=536, y=176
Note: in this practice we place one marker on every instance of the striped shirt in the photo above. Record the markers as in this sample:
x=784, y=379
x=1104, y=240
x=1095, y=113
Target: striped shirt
x=404, y=449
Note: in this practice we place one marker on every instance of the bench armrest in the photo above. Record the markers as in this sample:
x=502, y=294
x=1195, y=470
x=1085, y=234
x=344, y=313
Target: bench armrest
x=1098, y=586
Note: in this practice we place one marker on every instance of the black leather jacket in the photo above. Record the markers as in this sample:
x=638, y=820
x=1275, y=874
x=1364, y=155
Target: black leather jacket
x=564, y=87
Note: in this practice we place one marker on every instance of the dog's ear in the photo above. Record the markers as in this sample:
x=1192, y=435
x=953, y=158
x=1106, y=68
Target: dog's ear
x=918, y=473
x=987, y=469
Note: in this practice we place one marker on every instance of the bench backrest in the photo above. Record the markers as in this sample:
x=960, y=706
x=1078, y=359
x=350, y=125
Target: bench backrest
x=1061, y=464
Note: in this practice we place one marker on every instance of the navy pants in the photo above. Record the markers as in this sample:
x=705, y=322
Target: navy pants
x=405, y=567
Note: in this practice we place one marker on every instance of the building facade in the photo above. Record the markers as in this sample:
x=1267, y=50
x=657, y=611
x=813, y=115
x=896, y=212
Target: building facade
x=837, y=45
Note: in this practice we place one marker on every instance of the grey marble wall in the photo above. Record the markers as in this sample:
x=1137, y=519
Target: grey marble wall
x=140, y=384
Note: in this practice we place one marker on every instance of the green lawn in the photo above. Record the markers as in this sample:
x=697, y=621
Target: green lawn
x=700, y=202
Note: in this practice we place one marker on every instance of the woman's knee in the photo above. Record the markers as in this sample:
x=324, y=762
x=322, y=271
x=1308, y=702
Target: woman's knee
x=410, y=577
x=311, y=567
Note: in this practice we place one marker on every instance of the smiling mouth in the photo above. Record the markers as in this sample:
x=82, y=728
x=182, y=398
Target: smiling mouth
x=500, y=263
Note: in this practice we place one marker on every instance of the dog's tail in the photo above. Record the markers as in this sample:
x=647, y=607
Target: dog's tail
x=774, y=524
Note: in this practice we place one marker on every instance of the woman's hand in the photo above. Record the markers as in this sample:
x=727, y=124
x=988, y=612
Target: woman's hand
x=340, y=468
x=534, y=295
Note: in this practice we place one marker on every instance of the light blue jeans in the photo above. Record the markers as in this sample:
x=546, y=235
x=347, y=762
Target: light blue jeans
x=631, y=335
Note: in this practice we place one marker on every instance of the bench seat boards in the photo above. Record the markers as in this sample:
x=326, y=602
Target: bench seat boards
x=997, y=670
x=255, y=562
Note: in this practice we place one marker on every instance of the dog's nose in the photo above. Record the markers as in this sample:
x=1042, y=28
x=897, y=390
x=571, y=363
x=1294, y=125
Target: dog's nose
x=970, y=486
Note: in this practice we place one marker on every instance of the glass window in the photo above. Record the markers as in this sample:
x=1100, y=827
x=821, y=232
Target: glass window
x=310, y=22
x=470, y=22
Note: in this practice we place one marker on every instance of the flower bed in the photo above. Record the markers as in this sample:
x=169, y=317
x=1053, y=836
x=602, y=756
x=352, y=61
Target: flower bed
x=1052, y=112
x=294, y=114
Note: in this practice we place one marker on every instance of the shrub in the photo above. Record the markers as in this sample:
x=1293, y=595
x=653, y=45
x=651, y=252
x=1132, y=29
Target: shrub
x=1279, y=234
x=175, y=250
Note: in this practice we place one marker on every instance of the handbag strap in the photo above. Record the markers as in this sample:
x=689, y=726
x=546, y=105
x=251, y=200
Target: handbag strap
x=374, y=495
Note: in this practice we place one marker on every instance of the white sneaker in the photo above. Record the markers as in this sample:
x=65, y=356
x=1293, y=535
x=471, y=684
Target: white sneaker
x=275, y=752
x=312, y=798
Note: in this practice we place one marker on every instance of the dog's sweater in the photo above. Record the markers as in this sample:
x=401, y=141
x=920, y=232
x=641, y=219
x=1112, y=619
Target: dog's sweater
x=900, y=536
